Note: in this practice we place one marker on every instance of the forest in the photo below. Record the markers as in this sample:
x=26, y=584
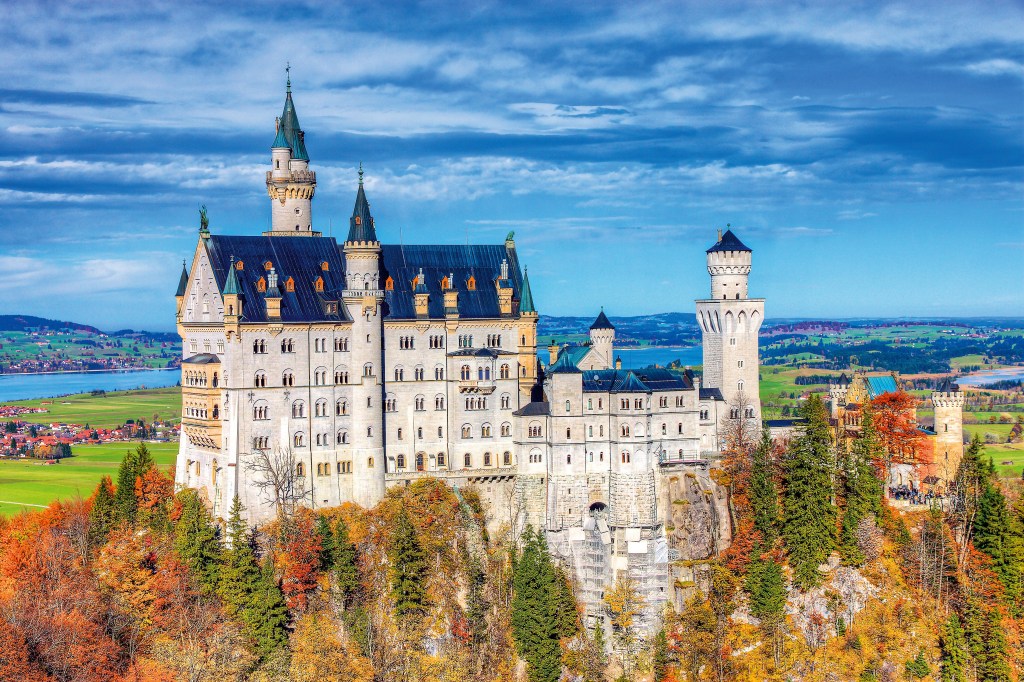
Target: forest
x=825, y=580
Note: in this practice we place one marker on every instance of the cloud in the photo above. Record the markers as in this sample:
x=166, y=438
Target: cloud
x=996, y=67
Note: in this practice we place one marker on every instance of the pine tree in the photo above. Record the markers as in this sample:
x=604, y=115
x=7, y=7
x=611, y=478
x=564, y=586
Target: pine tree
x=764, y=498
x=267, y=615
x=476, y=604
x=660, y=656
x=766, y=585
x=809, y=515
x=239, y=571
x=994, y=535
x=918, y=668
x=346, y=568
x=861, y=488
x=566, y=608
x=327, y=543
x=408, y=568
x=534, y=621
x=954, y=651
x=134, y=464
x=993, y=664
x=101, y=514
x=195, y=540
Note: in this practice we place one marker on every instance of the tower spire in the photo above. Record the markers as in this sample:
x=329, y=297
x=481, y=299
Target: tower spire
x=288, y=82
x=360, y=173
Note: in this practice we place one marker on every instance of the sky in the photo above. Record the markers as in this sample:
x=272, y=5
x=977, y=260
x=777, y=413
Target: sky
x=871, y=154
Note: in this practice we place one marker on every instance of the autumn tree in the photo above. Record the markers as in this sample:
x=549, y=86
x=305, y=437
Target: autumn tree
x=319, y=654
x=862, y=491
x=299, y=558
x=624, y=603
x=895, y=423
x=809, y=516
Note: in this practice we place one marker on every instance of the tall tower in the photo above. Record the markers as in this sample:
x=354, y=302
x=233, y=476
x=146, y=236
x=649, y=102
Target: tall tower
x=602, y=340
x=948, y=401
x=528, y=318
x=363, y=299
x=729, y=322
x=290, y=183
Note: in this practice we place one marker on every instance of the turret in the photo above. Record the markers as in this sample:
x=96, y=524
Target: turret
x=948, y=401
x=179, y=296
x=602, y=340
x=837, y=391
x=729, y=267
x=363, y=298
x=290, y=183
x=527, y=336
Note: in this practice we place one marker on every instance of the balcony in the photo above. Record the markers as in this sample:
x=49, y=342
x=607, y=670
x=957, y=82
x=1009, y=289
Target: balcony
x=304, y=176
x=483, y=387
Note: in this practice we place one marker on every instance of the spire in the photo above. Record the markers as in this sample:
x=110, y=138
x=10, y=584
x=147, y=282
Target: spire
x=231, y=285
x=360, y=225
x=183, y=282
x=289, y=133
x=602, y=322
x=728, y=242
x=526, y=296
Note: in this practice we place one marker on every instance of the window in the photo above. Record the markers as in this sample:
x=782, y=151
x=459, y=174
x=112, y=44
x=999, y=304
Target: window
x=506, y=401
x=467, y=431
x=485, y=431
x=568, y=459
x=439, y=402
x=664, y=429
x=465, y=373
x=625, y=429
x=369, y=462
x=590, y=431
x=298, y=409
x=260, y=411
x=503, y=372
x=368, y=369
x=320, y=409
x=625, y=457
x=568, y=433
x=401, y=461
x=420, y=403
x=506, y=458
x=261, y=442
x=300, y=469
x=287, y=379
x=703, y=414
x=739, y=385
x=299, y=440
x=419, y=461
x=534, y=430
x=536, y=457
x=287, y=345
x=471, y=283
x=734, y=413
x=747, y=412
x=344, y=467
x=320, y=377
x=259, y=346
x=600, y=429
x=439, y=373
x=680, y=428
x=389, y=283
x=340, y=376
x=568, y=406
x=260, y=380
x=341, y=408
x=318, y=284
x=419, y=432
x=399, y=434
x=341, y=345
x=399, y=374
x=440, y=459
x=369, y=432
x=261, y=285
x=506, y=429
x=487, y=459
x=419, y=374
x=739, y=363
x=342, y=438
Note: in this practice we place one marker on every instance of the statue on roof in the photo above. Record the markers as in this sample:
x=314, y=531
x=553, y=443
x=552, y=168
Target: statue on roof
x=204, y=221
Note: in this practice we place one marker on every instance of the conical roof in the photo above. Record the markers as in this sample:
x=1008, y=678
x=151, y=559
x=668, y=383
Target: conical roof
x=360, y=225
x=602, y=322
x=526, y=299
x=289, y=134
x=630, y=384
x=183, y=282
x=728, y=242
x=564, y=365
x=231, y=284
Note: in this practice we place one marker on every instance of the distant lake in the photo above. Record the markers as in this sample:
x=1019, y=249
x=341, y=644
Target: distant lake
x=633, y=358
x=30, y=386
x=990, y=376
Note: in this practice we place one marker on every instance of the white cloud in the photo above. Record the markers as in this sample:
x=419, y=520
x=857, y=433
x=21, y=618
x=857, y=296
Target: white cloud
x=996, y=67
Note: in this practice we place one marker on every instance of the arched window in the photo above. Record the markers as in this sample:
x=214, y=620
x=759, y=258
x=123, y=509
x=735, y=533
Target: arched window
x=260, y=380
x=568, y=406
x=439, y=373
x=298, y=409
x=625, y=457
x=342, y=437
x=300, y=469
x=506, y=429
x=299, y=440
x=440, y=459
x=368, y=369
x=369, y=462
x=287, y=379
x=465, y=373
x=401, y=461
x=341, y=408
x=467, y=431
x=419, y=461
x=340, y=376
x=439, y=402
x=321, y=408
x=506, y=458
x=503, y=373
x=625, y=429
x=485, y=431
x=467, y=460
x=420, y=403
x=487, y=459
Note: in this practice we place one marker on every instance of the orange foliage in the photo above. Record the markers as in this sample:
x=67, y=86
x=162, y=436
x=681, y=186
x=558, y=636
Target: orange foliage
x=299, y=560
x=153, y=488
x=895, y=423
x=14, y=656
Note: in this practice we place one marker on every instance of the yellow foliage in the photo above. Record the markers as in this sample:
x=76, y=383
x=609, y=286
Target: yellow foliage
x=319, y=654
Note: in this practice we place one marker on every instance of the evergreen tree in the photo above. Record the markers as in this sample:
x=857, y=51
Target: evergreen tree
x=266, y=618
x=954, y=651
x=660, y=656
x=992, y=665
x=566, y=609
x=239, y=571
x=328, y=549
x=862, y=489
x=994, y=534
x=918, y=668
x=597, y=661
x=809, y=515
x=134, y=464
x=766, y=585
x=101, y=514
x=764, y=498
x=346, y=568
x=408, y=568
x=534, y=620
x=476, y=603
x=195, y=539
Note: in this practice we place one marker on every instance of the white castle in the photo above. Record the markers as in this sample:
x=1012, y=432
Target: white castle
x=370, y=365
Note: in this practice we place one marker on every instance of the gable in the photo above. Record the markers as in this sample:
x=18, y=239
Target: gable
x=203, y=302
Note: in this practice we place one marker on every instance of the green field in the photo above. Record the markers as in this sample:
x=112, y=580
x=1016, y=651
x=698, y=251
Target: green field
x=27, y=484
x=108, y=410
x=50, y=346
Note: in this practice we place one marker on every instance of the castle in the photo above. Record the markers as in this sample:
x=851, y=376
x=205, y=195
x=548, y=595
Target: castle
x=367, y=365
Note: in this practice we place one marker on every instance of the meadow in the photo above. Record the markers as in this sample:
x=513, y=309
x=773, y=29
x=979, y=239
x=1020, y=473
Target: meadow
x=107, y=410
x=28, y=484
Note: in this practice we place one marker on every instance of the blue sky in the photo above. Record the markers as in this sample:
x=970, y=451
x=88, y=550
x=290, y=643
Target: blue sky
x=871, y=154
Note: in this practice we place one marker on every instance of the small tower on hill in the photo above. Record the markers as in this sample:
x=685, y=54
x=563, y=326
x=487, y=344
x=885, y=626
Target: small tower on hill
x=948, y=401
x=290, y=183
x=364, y=298
x=837, y=391
x=729, y=322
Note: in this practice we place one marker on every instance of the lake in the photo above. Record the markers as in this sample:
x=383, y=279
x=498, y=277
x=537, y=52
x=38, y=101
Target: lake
x=988, y=376
x=29, y=386
x=633, y=358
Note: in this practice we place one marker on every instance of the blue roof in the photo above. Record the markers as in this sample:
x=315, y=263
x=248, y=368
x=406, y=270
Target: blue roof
x=289, y=134
x=183, y=281
x=602, y=322
x=728, y=242
x=297, y=257
x=360, y=225
x=880, y=385
x=462, y=261
x=564, y=365
x=644, y=380
x=526, y=304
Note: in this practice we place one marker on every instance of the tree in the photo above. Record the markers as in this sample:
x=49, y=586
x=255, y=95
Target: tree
x=995, y=535
x=764, y=498
x=901, y=440
x=477, y=605
x=328, y=551
x=918, y=668
x=346, y=568
x=625, y=603
x=134, y=464
x=766, y=585
x=862, y=491
x=954, y=651
x=809, y=517
x=101, y=513
x=195, y=539
x=299, y=558
x=267, y=614
x=318, y=654
x=534, y=621
x=275, y=474
x=659, y=656
x=408, y=568
x=566, y=607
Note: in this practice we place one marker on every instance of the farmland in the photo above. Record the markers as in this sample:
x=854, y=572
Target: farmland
x=107, y=410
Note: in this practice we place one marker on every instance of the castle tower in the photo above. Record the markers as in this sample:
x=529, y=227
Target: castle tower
x=527, y=341
x=363, y=298
x=948, y=401
x=837, y=391
x=290, y=183
x=602, y=338
x=729, y=322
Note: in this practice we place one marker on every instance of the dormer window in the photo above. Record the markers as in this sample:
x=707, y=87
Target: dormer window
x=239, y=265
x=359, y=220
x=319, y=284
x=471, y=283
x=289, y=284
x=389, y=284
x=325, y=267
x=444, y=283
x=261, y=285
x=268, y=265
